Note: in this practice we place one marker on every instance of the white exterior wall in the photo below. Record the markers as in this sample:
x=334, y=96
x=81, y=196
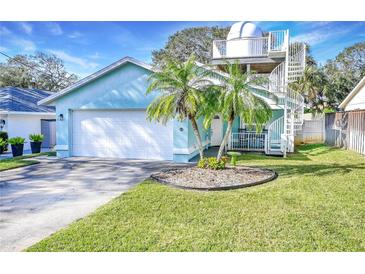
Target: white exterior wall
x=5, y=118
x=358, y=101
x=24, y=124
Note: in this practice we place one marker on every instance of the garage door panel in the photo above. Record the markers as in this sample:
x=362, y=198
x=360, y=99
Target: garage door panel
x=120, y=134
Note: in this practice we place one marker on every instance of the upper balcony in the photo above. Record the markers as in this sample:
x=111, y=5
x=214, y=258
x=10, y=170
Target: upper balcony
x=252, y=49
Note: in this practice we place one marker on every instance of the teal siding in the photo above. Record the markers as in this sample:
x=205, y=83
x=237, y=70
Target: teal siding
x=204, y=134
x=235, y=126
x=184, y=138
x=276, y=113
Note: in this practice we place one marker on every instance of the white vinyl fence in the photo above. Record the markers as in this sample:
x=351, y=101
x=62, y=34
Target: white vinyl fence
x=312, y=132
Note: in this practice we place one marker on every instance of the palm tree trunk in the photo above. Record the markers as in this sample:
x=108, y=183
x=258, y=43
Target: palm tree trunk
x=197, y=136
x=225, y=138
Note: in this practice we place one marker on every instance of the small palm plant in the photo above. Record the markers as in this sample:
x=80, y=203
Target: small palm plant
x=17, y=145
x=36, y=142
x=181, y=87
x=36, y=137
x=237, y=99
x=312, y=85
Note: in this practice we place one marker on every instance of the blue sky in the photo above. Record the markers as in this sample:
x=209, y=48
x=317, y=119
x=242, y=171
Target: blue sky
x=87, y=47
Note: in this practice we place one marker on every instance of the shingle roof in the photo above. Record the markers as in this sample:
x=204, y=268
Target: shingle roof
x=24, y=100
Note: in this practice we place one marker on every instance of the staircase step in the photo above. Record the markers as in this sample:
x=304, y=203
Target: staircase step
x=275, y=152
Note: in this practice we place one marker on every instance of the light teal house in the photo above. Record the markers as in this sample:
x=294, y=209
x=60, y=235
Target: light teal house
x=104, y=114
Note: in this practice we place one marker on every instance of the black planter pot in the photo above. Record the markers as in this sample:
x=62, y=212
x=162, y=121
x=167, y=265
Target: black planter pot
x=17, y=150
x=36, y=147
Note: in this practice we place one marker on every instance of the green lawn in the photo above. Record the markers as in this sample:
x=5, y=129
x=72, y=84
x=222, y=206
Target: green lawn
x=316, y=204
x=20, y=161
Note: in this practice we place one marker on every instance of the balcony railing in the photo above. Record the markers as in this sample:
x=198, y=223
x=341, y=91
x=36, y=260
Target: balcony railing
x=276, y=41
x=248, y=141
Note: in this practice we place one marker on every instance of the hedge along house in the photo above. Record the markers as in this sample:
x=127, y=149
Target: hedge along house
x=104, y=115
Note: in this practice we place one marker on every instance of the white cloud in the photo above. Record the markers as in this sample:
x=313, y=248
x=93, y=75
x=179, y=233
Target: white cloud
x=55, y=28
x=82, y=62
x=75, y=35
x=19, y=44
x=318, y=36
x=26, y=27
x=312, y=38
x=24, y=45
x=94, y=56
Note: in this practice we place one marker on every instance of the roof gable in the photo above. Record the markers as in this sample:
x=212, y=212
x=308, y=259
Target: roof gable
x=95, y=76
x=353, y=93
x=23, y=100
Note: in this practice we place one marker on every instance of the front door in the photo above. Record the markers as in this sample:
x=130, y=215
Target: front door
x=217, y=131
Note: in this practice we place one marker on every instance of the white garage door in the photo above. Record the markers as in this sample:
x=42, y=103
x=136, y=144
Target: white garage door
x=120, y=134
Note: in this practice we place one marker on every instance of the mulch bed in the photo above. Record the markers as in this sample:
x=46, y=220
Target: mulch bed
x=206, y=179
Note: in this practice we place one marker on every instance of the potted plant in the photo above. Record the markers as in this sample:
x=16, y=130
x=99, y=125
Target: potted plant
x=17, y=145
x=35, y=142
x=2, y=145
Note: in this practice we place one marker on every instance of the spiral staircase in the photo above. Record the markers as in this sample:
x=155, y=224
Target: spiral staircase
x=270, y=55
x=281, y=132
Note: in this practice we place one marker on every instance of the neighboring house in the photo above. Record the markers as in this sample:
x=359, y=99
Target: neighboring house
x=20, y=115
x=355, y=100
x=104, y=114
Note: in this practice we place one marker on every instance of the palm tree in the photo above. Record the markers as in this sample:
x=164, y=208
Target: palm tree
x=181, y=87
x=312, y=85
x=237, y=99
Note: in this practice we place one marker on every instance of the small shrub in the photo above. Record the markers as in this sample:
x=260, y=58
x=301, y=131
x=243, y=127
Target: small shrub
x=4, y=136
x=36, y=137
x=16, y=141
x=3, y=143
x=215, y=164
x=203, y=163
x=212, y=163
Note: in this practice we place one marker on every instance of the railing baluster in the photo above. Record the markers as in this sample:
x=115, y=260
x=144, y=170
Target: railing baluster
x=248, y=141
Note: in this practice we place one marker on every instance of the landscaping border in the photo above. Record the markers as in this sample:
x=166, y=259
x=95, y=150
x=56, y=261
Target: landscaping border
x=164, y=182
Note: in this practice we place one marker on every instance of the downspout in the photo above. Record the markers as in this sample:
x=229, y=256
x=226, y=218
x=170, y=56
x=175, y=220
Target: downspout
x=286, y=99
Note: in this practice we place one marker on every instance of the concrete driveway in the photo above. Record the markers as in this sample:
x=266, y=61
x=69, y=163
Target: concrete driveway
x=40, y=199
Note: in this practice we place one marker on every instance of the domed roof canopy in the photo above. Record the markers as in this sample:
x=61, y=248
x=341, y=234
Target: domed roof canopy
x=244, y=30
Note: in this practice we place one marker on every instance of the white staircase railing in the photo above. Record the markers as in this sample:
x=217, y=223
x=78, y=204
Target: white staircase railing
x=296, y=61
x=295, y=104
x=277, y=79
x=274, y=132
x=281, y=132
